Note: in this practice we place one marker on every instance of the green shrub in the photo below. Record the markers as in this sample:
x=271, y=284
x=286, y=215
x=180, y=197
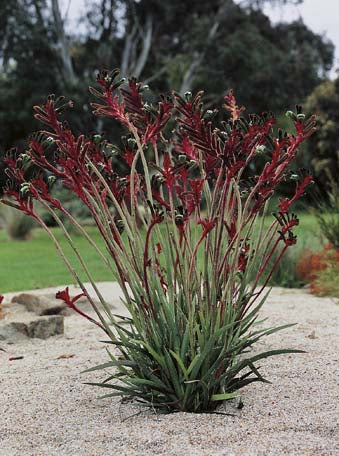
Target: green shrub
x=328, y=214
x=323, y=147
x=18, y=225
x=327, y=283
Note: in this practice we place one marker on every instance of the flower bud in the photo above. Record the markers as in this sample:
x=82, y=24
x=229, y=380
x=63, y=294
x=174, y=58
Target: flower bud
x=51, y=180
x=147, y=107
x=291, y=115
x=301, y=117
x=25, y=188
x=188, y=96
x=131, y=142
x=261, y=149
x=181, y=159
x=208, y=114
x=97, y=138
x=25, y=158
x=120, y=225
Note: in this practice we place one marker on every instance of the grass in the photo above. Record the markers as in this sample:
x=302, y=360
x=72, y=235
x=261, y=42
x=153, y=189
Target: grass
x=26, y=265
x=32, y=264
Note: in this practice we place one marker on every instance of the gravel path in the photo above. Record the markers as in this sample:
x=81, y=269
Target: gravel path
x=46, y=410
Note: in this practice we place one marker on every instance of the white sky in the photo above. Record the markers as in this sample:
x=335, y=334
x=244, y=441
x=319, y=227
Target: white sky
x=322, y=16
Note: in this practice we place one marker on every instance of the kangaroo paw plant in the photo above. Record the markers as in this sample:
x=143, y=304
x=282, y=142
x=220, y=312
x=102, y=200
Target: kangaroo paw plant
x=184, y=233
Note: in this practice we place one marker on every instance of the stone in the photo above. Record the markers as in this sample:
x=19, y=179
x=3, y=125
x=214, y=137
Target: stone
x=45, y=327
x=26, y=299
x=40, y=305
x=39, y=327
x=13, y=331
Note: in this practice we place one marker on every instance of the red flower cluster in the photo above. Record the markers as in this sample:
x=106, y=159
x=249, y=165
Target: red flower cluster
x=198, y=164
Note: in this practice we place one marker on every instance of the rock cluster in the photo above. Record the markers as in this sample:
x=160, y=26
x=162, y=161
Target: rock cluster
x=36, y=316
x=41, y=305
x=40, y=327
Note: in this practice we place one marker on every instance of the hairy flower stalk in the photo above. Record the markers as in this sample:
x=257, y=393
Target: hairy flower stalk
x=184, y=233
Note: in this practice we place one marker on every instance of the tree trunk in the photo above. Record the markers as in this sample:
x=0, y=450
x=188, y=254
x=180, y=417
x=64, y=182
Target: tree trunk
x=198, y=57
x=134, y=60
x=146, y=47
x=63, y=45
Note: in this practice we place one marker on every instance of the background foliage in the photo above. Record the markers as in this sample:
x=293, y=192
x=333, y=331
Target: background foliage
x=180, y=45
x=323, y=147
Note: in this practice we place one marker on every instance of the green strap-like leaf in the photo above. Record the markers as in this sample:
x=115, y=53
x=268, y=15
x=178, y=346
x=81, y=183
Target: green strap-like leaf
x=224, y=396
x=111, y=364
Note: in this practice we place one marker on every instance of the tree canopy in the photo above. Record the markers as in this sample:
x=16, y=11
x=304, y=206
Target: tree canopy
x=214, y=45
x=323, y=146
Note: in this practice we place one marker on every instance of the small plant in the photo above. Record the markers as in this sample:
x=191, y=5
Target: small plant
x=320, y=270
x=309, y=264
x=18, y=225
x=328, y=214
x=326, y=282
x=190, y=275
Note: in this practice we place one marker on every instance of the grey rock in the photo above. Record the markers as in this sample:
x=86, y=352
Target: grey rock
x=40, y=327
x=67, y=312
x=40, y=305
x=45, y=327
x=13, y=331
x=26, y=299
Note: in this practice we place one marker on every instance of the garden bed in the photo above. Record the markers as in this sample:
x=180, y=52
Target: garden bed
x=47, y=410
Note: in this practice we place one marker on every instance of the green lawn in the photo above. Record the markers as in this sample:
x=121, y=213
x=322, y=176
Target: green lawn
x=33, y=264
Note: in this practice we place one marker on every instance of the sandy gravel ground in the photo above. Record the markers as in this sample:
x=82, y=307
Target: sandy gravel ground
x=46, y=410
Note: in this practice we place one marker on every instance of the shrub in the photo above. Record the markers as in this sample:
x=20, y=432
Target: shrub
x=323, y=152
x=326, y=283
x=18, y=225
x=320, y=269
x=186, y=274
x=328, y=214
x=310, y=264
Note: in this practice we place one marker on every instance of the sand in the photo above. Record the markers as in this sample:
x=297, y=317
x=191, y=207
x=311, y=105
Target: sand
x=45, y=408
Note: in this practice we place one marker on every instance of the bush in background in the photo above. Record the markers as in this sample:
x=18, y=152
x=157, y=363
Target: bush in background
x=328, y=214
x=285, y=274
x=323, y=147
x=319, y=269
x=326, y=283
x=18, y=225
